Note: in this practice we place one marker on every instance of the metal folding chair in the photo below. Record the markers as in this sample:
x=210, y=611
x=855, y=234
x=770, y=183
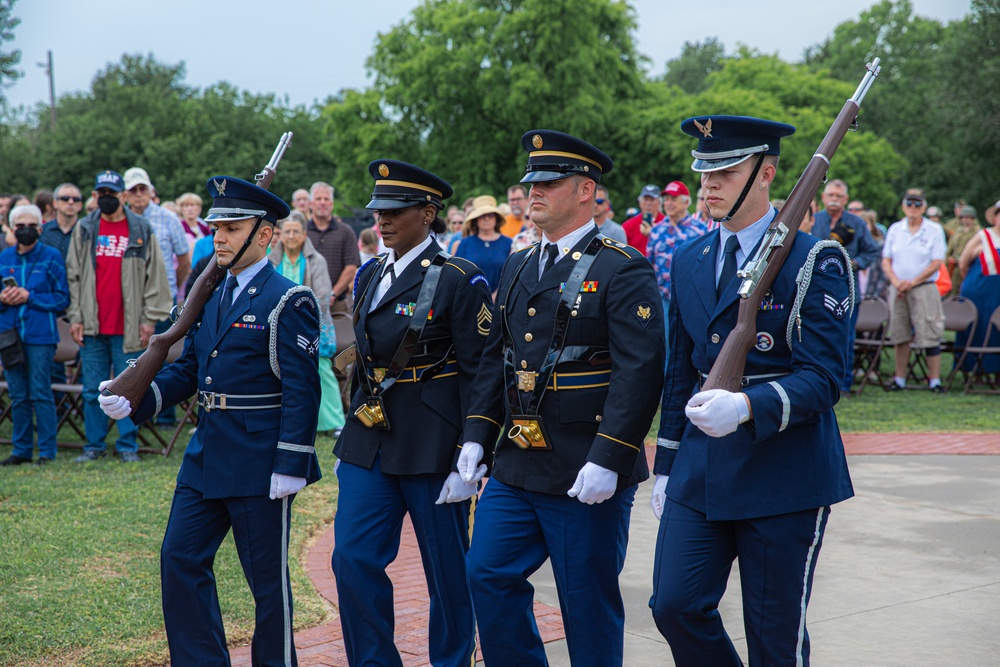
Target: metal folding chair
x=980, y=352
x=960, y=316
x=869, y=339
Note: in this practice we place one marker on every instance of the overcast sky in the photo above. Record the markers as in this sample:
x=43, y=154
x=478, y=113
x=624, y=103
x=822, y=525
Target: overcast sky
x=308, y=50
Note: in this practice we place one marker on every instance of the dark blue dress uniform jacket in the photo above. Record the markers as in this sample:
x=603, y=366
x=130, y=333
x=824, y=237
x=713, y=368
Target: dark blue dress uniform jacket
x=234, y=452
x=790, y=456
x=605, y=424
x=425, y=418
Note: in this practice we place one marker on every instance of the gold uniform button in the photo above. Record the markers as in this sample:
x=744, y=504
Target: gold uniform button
x=598, y=418
x=214, y=354
x=524, y=364
x=208, y=380
x=715, y=338
x=531, y=312
x=528, y=337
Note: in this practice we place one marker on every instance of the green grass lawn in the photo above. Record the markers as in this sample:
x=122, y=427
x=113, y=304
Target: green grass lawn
x=79, y=560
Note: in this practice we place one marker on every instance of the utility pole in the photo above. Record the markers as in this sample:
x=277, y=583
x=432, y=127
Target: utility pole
x=52, y=90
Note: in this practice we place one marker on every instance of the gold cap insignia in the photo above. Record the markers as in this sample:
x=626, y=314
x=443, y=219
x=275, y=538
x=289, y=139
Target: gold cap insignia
x=536, y=141
x=643, y=312
x=383, y=170
x=221, y=187
x=705, y=129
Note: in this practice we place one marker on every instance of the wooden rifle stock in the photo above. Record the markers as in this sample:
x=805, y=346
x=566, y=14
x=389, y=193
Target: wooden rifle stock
x=758, y=275
x=134, y=381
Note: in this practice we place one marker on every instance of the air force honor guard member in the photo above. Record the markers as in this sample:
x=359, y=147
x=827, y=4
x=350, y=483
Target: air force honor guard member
x=421, y=320
x=752, y=474
x=569, y=383
x=251, y=359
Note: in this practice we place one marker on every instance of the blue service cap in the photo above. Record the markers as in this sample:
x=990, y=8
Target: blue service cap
x=400, y=184
x=236, y=199
x=555, y=155
x=111, y=180
x=725, y=141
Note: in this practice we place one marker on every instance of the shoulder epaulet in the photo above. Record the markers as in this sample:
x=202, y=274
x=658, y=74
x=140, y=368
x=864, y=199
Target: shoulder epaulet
x=621, y=247
x=461, y=264
x=357, y=276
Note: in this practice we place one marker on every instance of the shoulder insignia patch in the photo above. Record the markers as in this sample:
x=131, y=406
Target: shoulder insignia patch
x=310, y=346
x=644, y=313
x=832, y=264
x=838, y=308
x=483, y=320
x=479, y=278
x=765, y=341
x=305, y=299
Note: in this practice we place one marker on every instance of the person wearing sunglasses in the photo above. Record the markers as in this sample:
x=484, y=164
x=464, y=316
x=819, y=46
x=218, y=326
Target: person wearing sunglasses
x=911, y=258
x=602, y=217
x=57, y=233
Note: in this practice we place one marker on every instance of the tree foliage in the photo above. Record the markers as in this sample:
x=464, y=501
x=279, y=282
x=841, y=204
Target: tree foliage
x=139, y=112
x=689, y=71
x=8, y=59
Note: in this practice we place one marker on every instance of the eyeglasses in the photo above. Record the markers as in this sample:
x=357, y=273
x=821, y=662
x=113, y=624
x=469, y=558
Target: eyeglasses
x=600, y=201
x=75, y=200
x=912, y=202
x=855, y=209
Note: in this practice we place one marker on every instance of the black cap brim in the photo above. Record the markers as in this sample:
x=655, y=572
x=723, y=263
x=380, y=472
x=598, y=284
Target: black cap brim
x=393, y=204
x=545, y=176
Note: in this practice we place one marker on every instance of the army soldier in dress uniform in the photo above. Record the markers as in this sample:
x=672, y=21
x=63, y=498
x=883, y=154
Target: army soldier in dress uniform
x=568, y=383
x=251, y=360
x=421, y=319
x=752, y=474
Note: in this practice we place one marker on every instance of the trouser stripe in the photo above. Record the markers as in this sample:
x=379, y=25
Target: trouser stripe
x=817, y=533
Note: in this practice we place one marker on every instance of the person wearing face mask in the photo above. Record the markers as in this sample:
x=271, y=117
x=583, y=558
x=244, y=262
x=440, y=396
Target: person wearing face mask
x=118, y=292
x=421, y=321
x=34, y=293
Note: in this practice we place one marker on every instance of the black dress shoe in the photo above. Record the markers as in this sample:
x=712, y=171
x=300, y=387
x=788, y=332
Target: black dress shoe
x=13, y=460
x=892, y=386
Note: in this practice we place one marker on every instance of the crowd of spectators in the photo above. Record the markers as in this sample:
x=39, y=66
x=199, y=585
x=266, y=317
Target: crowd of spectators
x=90, y=260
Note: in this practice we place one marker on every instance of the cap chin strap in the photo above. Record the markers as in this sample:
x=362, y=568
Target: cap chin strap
x=246, y=244
x=746, y=190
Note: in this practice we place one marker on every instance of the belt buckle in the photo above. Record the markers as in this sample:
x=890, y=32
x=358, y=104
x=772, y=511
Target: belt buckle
x=526, y=380
x=379, y=374
x=528, y=432
x=207, y=400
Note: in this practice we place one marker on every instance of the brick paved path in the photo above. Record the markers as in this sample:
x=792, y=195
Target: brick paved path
x=324, y=645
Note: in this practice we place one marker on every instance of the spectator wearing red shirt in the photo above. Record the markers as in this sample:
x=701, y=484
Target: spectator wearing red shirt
x=118, y=292
x=637, y=228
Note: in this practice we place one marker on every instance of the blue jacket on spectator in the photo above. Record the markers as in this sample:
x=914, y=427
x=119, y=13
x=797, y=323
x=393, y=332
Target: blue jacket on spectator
x=42, y=272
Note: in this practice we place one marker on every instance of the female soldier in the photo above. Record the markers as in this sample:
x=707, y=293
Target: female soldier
x=421, y=320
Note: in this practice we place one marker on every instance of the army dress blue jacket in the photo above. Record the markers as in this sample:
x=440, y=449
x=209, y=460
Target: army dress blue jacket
x=425, y=415
x=790, y=456
x=619, y=316
x=265, y=346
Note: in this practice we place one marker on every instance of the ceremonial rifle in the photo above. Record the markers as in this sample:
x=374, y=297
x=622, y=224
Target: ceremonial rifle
x=759, y=273
x=134, y=381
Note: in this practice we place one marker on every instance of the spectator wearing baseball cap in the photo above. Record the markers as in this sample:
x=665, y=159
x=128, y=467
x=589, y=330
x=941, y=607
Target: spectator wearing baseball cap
x=638, y=227
x=911, y=258
x=678, y=228
x=966, y=230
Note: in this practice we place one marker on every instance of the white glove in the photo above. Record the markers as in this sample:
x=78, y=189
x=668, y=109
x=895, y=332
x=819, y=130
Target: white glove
x=285, y=485
x=659, y=497
x=468, y=460
x=114, y=406
x=594, y=484
x=717, y=412
x=455, y=490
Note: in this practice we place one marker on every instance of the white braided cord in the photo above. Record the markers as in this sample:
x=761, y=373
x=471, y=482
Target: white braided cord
x=804, y=278
x=272, y=322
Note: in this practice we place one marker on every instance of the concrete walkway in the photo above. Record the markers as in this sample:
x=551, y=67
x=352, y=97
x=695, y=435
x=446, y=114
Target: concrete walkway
x=909, y=572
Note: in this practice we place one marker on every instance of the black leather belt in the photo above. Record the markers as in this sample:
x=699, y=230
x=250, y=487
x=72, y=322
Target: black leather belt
x=210, y=400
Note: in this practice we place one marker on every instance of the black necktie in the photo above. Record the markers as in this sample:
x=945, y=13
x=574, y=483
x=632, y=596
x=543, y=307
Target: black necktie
x=552, y=252
x=728, y=265
x=226, y=302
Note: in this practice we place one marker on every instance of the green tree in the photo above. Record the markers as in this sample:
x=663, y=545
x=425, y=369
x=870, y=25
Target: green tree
x=8, y=59
x=139, y=112
x=459, y=81
x=689, y=71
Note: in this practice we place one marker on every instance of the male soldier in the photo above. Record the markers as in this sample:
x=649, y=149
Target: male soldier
x=565, y=375
x=252, y=360
x=751, y=474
